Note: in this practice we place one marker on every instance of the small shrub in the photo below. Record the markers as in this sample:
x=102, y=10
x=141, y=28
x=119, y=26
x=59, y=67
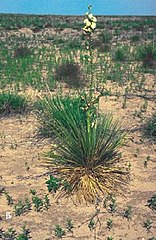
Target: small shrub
x=2, y=189
x=22, y=52
x=147, y=161
x=150, y=128
x=147, y=54
x=120, y=55
x=11, y=103
x=73, y=44
x=105, y=37
x=135, y=38
x=70, y=73
x=1, y=233
x=102, y=47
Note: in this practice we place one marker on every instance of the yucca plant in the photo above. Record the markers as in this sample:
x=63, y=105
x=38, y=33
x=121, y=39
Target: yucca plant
x=86, y=149
x=48, y=111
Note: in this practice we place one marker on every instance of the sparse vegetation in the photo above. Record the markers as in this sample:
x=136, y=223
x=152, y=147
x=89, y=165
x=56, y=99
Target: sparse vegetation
x=75, y=79
x=11, y=103
x=11, y=234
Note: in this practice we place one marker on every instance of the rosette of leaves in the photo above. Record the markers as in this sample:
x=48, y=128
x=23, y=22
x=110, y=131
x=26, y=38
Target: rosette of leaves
x=86, y=149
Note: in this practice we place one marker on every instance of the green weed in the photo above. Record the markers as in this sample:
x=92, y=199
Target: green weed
x=10, y=234
x=128, y=212
x=11, y=103
x=120, y=55
x=69, y=225
x=59, y=232
x=22, y=206
x=109, y=224
x=148, y=224
x=91, y=224
x=25, y=235
x=53, y=184
x=37, y=201
x=9, y=199
x=46, y=202
x=151, y=203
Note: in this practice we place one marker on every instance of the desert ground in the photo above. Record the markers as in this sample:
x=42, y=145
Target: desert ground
x=128, y=93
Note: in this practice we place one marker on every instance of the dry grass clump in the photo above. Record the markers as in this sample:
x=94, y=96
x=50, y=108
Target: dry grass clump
x=71, y=74
x=22, y=52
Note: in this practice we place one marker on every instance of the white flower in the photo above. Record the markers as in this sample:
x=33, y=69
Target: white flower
x=87, y=29
x=93, y=25
x=87, y=22
x=92, y=18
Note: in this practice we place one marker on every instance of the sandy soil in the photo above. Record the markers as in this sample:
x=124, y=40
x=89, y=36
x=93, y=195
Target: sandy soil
x=20, y=148
x=21, y=170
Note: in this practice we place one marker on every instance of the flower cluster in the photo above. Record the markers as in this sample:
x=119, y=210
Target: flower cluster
x=90, y=22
